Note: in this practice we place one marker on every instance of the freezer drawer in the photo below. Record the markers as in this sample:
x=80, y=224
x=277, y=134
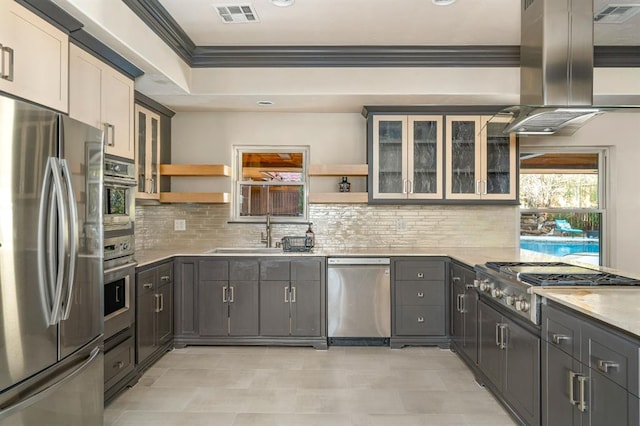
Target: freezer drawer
x=358, y=298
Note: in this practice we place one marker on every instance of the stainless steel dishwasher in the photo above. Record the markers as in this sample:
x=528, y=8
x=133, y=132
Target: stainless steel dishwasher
x=358, y=301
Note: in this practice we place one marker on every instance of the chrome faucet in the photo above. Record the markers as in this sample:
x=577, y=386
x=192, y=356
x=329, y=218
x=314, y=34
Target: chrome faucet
x=267, y=239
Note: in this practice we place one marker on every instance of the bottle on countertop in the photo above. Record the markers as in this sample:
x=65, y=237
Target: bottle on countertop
x=310, y=236
x=345, y=186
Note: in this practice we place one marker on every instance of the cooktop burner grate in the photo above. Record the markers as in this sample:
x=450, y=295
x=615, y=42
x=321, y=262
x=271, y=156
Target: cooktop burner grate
x=595, y=279
x=497, y=266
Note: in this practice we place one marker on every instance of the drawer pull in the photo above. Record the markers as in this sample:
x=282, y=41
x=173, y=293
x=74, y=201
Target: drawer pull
x=147, y=285
x=559, y=338
x=420, y=294
x=420, y=274
x=165, y=278
x=604, y=366
x=456, y=279
x=420, y=319
x=118, y=365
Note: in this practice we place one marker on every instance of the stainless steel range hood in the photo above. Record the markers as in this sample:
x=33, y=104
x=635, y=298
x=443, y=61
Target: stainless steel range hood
x=556, y=68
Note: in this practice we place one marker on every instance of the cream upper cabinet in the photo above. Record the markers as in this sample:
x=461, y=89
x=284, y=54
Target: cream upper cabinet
x=481, y=160
x=147, y=125
x=407, y=157
x=102, y=97
x=35, y=57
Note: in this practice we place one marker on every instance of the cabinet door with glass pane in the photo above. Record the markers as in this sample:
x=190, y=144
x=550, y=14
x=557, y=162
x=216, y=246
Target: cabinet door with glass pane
x=147, y=125
x=407, y=157
x=463, y=157
x=498, y=161
x=424, y=157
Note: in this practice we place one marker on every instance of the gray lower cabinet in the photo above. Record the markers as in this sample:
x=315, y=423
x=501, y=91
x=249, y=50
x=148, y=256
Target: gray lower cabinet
x=464, y=312
x=589, y=373
x=290, y=292
x=509, y=359
x=228, y=297
x=250, y=300
x=418, y=301
x=154, y=313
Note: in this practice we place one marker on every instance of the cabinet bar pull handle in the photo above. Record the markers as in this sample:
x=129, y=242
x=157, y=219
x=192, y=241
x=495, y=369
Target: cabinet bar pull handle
x=604, y=366
x=582, y=405
x=286, y=294
x=161, y=302
x=559, y=338
x=503, y=336
x=477, y=187
x=420, y=319
x=410, y=187
x=147, y=285
x=469, y=286
x=462, y=309
x=484, y=192
x=2, y=75
x=157, y=296
x=224, y=294
x=456, y=279
x=231, y=295
x=9, y=76
x=293, y=294
x=497, y=335
x=118, y=365
x=420, y=294
x=404, y=186
x=165, y=278
x=572, y=394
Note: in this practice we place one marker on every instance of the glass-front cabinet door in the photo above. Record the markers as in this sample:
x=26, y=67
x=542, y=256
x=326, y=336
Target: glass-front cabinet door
x=407, y=157
x=147, y=133
x=499, y=160
x=463, y=157
x=481, y=160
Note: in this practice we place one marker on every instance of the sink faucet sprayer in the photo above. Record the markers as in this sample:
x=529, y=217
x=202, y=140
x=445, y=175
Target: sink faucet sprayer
x=267, y=239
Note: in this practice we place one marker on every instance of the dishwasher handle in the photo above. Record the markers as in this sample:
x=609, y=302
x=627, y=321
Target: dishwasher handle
x=347, y=261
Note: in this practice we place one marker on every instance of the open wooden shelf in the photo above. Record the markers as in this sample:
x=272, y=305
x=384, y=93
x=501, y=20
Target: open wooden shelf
x=338, y=169
x=195, y=197
x=338, y=197
x=195, y=170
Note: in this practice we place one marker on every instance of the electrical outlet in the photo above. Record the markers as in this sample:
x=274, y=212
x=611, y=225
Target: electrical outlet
x=401, y=225
x=179, y=225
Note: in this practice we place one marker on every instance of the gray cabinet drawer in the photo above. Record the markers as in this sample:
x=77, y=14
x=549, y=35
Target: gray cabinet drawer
x=561, y=330
x=243, y=270
x=146, y=282
x=165, y=273
x=612, y=356
x=306, y=270
x=274, y=270
x=419, y=270
x=420, y=320
x=213, y=270
x=118, y=362
x=421, y=293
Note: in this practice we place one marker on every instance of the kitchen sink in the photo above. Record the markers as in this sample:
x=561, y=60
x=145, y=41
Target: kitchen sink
x=246, y=250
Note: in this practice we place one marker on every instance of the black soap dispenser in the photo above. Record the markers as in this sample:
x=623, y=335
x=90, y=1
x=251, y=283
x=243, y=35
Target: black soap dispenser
x=310, y=241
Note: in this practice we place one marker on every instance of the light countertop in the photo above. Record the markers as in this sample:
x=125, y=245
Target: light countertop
x=619, y=307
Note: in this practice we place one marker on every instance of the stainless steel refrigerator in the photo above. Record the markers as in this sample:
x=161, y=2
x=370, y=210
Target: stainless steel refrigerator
x=51, y=272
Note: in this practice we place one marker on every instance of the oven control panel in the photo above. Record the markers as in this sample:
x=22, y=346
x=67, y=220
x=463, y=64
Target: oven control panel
x=115, y=247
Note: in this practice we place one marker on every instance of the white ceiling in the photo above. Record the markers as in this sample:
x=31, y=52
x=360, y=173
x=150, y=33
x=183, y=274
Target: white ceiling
x=353, y=22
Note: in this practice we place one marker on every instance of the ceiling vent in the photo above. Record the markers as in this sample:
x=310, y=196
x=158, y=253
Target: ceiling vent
x=237, y=14
x=616, y=13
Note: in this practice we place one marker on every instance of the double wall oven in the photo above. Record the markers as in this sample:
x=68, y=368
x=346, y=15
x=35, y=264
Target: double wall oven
x=119, y=272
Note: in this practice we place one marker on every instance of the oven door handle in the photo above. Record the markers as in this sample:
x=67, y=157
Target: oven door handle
x=121, y=267
x=119, y=182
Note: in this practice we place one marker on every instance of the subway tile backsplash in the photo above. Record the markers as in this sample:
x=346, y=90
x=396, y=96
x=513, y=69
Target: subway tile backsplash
x=336, y=226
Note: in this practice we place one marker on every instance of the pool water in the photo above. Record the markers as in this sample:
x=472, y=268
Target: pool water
x=560, y=246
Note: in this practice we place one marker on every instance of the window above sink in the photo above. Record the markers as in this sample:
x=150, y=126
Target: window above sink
x=270, y=180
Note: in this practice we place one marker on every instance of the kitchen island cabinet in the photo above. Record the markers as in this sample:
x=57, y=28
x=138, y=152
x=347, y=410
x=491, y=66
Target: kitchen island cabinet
x=464, y=312
x=419, y=301
x=509, y=362
x=154, y=313
x=590, y=372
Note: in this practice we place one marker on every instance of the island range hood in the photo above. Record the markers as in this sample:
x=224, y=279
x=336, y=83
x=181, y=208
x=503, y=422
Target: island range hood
x=556, y=68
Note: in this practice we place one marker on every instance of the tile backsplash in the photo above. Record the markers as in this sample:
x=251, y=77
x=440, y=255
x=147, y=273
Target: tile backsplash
x=336, y=226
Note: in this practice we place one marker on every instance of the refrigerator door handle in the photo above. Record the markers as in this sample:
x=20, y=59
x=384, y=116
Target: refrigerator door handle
x=73, y=235
x=63, y=243
x=45, y=282
x=39, y=396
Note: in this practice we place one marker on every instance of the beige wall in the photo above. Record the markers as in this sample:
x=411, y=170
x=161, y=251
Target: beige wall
x=620, y=132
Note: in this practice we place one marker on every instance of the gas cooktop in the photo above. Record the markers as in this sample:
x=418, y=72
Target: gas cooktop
x=559, y=274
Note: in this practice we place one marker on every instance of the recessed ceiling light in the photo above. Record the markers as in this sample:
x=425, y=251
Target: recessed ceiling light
x=265, y=103
x=282, y=3
x=443, y=2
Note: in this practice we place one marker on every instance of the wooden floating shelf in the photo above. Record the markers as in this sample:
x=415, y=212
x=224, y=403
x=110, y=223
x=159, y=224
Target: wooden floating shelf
x=195, y=197
x=338, y=197
x=195, y=170
x=338, y=169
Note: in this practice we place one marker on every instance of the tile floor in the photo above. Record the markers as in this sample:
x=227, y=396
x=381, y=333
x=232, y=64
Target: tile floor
x=255, y=386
